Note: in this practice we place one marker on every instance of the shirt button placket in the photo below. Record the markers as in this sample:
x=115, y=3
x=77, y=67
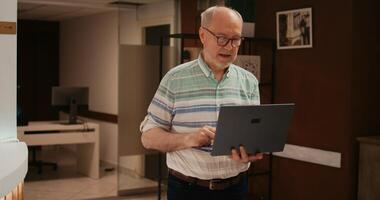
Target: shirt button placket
x=217, y=102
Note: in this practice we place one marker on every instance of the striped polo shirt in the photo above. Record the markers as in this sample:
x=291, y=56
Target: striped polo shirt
x=188, y=98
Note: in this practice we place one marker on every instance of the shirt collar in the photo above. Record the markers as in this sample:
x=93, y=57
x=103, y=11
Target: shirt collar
x=206, y=69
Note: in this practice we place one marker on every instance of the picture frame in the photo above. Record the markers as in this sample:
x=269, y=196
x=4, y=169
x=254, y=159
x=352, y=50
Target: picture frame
x=294, y=28
x=251, y=63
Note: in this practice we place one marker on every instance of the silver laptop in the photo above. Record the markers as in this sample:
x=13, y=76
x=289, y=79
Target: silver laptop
x=261, y=128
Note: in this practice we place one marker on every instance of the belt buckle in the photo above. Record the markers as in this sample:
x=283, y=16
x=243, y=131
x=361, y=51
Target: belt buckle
x=212, y=183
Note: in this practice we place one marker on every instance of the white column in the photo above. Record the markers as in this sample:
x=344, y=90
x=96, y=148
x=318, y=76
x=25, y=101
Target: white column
x=8, y=71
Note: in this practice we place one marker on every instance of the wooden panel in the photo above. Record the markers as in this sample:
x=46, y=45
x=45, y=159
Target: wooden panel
x=366, y=61
x=334, y=85
x=37, y=68
x=190, y=21
x=7, y=27
x=318, y=80
x=15, y=194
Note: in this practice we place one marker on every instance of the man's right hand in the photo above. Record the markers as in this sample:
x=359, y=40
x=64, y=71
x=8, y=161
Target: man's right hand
x=202, y=137
x=164, y=141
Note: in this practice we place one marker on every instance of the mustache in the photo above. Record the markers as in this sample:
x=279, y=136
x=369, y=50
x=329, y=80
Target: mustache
x=225, y=52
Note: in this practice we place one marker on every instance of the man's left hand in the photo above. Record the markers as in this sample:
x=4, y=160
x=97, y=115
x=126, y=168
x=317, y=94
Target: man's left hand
x=242, y=156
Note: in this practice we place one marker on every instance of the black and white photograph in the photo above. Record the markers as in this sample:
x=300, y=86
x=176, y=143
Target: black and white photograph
x=294, y=29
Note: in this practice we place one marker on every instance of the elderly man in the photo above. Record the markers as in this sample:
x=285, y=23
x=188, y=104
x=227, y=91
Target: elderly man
x=183, y=114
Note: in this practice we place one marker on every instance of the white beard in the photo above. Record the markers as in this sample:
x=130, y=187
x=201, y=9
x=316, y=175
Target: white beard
x=215, y=63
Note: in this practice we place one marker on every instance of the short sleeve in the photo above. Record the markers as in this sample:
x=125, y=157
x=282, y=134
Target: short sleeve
x=160, y=110
x=255, y=97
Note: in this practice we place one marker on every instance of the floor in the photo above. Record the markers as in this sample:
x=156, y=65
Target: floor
x=66, y=184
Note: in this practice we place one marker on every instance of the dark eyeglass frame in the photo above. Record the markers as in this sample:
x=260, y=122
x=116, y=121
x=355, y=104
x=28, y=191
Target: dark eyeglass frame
x=223, y=41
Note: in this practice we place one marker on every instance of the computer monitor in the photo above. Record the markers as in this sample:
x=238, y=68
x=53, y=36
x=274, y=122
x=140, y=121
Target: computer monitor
x=71, y=97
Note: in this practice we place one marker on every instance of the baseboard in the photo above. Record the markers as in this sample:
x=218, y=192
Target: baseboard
x=120, y=169
x=107, y=164
x=311, y=155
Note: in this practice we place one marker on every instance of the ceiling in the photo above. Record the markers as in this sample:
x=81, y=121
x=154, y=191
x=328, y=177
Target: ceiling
x=57, y=10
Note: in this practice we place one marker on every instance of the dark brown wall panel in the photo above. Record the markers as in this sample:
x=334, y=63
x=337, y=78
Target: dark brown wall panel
x=189, y=17
x=316, y=79
x=365, y=110
x=319, y=81
x=37, y=68
x=190, y=21
x=335, y=88
x=308, y=181
x=366, y=69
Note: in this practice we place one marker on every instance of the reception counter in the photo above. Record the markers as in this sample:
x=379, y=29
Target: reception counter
x=13, y=168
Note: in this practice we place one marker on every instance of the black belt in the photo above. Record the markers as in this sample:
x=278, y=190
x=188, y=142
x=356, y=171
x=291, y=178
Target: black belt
x=213, y=184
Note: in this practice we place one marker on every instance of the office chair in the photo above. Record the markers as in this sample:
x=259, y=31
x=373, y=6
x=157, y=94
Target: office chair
x=22, y=121
x=39, y=163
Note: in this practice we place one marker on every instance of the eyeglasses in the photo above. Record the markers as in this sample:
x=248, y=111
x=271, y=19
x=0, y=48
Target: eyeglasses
x=223, y=41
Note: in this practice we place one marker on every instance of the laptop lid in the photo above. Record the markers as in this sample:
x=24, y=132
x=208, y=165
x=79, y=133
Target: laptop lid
x=259, y=128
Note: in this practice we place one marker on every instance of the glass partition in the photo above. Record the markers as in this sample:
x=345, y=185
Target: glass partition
x=138, y=168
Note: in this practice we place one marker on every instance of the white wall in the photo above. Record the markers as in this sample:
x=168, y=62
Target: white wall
x=8, y=70
x=89, y=57
x=130, y=30
x=156, y=13
x=132, y=23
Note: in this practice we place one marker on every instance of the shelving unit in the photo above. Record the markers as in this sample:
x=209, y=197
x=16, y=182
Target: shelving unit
x=266, y=49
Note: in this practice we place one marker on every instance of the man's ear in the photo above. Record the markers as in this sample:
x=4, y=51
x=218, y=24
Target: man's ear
x=201, y=35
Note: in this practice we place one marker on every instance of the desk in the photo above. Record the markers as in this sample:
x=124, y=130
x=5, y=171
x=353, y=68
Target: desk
x=86, y=136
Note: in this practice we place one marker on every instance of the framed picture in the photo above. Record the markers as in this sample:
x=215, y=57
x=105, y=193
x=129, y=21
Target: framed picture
x=294, y=29
x=250, y=63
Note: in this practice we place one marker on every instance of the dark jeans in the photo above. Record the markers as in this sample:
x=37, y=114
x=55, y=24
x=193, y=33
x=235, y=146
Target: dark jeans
x=181, y=190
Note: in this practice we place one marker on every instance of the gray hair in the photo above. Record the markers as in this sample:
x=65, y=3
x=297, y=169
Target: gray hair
x=206, y=16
